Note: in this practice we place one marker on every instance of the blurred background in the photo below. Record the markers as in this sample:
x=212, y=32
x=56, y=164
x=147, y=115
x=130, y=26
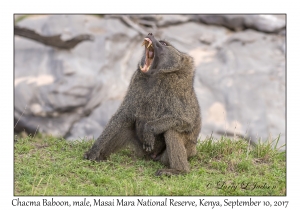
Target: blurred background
x=71, y=72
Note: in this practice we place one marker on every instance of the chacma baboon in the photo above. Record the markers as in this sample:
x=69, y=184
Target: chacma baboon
x=160, y=113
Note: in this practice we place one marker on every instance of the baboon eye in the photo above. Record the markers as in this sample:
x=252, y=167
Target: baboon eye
x=164, y=43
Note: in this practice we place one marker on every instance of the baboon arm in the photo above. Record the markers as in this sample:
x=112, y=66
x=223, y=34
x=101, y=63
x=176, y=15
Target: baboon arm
x=107, y=141
x=165, y=123
x=162, y=125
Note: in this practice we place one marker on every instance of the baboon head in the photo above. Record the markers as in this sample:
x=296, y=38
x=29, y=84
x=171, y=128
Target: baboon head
x=160, y=56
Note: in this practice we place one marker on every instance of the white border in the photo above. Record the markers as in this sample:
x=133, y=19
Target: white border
x=152, y=6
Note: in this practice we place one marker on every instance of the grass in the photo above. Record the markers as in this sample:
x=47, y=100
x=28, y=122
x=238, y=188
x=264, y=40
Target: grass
x=46, y=165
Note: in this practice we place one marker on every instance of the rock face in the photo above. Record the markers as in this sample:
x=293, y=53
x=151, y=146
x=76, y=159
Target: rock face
x=240, y=72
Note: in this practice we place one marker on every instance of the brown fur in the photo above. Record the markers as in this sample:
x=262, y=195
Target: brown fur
x=160, y=113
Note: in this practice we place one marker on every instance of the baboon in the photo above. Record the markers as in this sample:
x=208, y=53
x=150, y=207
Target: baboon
x=160, y=113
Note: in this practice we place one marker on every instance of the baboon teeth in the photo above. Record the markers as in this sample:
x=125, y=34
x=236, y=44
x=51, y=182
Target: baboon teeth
x=149, y=44
x=148, y=68
x=145, y=69
x=147, y=40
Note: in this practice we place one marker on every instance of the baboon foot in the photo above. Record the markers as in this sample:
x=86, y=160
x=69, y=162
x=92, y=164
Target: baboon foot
x=94, y=156
x=168, y=172
x=155, y=157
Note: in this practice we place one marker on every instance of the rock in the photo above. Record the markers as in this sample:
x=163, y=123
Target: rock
x=91, y=127
x=60, y=87
x=264, y=23
x=239, y=81
x=233, y=22
x=166, y=20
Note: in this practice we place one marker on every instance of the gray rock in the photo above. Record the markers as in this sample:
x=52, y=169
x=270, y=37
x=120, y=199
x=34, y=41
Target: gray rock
x=264, y=23
x=239, y=81
x=91, y=127
x=58, y=83
x=166, y=20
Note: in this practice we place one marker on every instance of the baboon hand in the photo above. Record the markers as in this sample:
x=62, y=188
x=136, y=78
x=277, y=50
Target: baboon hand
x=89, y=156
x=149, y=140
x=92, y=155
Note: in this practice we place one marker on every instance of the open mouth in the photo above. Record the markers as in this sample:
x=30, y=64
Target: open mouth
x=149, y=55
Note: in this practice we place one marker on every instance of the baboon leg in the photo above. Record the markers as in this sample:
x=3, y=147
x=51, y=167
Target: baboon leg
x=191, y=148
x=164, y=159
x=190, y=151
x=115, y=135
x=176, y=153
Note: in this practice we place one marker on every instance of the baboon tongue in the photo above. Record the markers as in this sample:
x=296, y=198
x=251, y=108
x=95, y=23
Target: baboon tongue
x=150, y=54
x=148, y=62
x=149, y=58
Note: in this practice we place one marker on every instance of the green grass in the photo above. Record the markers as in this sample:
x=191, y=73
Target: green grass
x=54, y=166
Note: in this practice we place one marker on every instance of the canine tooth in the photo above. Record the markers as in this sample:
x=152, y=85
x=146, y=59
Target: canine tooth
x=148, y=68
x=149, y=44
x=141, y=67
x=143, y=43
